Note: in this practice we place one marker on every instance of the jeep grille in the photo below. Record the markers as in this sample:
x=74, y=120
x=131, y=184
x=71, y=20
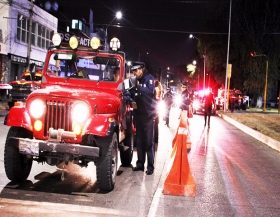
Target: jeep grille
x=58, y=115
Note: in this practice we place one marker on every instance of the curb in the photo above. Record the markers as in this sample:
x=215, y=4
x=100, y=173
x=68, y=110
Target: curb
x=255, y=134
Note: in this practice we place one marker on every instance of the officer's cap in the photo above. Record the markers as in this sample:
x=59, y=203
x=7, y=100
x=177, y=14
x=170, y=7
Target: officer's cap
x=136, y=67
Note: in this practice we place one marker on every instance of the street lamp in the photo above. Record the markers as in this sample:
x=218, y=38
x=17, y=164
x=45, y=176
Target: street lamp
x=204, y=60
x=192, y=36
x=266, y=74
x=118, y=16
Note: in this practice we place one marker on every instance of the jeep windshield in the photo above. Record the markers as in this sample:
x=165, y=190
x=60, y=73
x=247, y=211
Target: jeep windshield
x=83, y=65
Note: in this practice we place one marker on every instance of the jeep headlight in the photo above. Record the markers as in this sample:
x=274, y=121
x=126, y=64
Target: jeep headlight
x=37, y=108
x=80, y=112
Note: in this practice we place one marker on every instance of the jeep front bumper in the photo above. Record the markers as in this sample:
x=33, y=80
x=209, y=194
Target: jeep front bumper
x=34, y=147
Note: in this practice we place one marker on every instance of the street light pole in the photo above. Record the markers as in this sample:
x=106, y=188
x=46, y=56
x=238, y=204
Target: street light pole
x=29, y=35
x=265, y=86
x=204, y=64
x=204, y=60
x=266, y=75
x=161, y=79
x=118, y=16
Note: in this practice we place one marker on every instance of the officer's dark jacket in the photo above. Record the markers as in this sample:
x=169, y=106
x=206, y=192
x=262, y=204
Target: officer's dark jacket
x=168, y=98
x=209, y=101
x=145, y=96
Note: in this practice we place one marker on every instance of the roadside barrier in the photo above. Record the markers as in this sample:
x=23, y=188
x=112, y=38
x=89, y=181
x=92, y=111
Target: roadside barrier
x=179, y=180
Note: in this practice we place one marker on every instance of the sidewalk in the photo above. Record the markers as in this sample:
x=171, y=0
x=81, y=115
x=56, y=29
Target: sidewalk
x=255, y=134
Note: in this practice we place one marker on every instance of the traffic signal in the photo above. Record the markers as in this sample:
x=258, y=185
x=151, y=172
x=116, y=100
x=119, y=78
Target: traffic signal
x=252, y=54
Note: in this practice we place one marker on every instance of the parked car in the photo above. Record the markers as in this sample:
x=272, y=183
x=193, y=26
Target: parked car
x=21, y=88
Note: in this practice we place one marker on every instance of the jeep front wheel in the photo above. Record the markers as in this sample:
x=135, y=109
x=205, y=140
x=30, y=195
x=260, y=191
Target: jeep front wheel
x=17, y=166
x=106, y=165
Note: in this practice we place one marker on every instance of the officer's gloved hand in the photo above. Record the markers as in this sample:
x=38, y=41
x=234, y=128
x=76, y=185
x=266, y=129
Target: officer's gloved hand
x=127, y=96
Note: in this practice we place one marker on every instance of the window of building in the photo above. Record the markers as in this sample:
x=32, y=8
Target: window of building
x=40, y=35
x=22, y=29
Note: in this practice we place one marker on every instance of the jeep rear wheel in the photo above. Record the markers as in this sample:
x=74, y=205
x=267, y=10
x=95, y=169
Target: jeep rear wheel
x=17, y=166
x=106, y=165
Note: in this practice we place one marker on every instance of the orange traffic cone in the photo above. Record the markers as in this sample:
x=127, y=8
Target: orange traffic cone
x=179, y=180
x=184, y=123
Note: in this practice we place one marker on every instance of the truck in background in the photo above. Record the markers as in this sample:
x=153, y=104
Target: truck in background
x=236, y=99
x=26, y=84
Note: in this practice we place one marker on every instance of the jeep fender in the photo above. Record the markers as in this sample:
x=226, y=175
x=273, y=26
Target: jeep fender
x=19, y=117
x=100, y=125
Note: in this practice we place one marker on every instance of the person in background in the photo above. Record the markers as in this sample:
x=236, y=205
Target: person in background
x=208, y=104
x=168, y=99
x=186, y=98
x=144, y=118
x=116, y=74
x=83, y=73
x=158, y=94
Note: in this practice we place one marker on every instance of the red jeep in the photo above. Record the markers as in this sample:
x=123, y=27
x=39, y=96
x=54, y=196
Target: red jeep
x=78, y=115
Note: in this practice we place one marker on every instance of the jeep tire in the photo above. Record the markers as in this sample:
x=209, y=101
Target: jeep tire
x=106, y=165
x=17, y=165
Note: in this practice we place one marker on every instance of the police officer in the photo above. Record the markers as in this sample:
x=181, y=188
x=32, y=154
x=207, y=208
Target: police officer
x=144, y=118
x=208, y=105
x=186, y=98
x=168, y=99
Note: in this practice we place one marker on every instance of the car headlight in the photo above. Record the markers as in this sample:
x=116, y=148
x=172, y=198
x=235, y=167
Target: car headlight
x=80, y=112
x=37, y=108
x=178, y=99
x=196, y=104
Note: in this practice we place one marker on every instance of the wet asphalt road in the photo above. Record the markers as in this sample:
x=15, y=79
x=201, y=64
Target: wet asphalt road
x=235, y=175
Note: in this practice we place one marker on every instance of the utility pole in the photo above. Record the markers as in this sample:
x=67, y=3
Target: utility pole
x=29, y=34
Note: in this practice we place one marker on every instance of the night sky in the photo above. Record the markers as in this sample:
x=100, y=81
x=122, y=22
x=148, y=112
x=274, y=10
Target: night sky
x=159, y=27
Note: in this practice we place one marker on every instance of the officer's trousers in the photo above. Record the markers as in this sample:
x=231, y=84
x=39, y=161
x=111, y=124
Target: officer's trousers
x=145, y=141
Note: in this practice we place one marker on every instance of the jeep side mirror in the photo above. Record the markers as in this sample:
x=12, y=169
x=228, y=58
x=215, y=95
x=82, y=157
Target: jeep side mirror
x=130, y=83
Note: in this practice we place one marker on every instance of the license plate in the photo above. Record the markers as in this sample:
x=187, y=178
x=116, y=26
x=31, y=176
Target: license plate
x=28, y=147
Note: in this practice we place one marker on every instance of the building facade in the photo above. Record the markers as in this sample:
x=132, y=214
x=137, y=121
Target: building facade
x=15, y=48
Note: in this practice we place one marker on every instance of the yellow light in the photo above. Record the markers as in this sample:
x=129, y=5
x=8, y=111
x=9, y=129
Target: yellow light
x=38, y=125
x=73, y=42
x=18, y=104
x=77, y=129
x=95, y=43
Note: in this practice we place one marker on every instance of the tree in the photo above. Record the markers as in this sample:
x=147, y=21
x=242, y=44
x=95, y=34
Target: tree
x=254, y=27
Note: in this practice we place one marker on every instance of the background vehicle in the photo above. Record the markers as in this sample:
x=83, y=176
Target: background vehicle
x=21, y=88
x=236, y=100
x=79, y=114
x=199, y=101
x=198, y=105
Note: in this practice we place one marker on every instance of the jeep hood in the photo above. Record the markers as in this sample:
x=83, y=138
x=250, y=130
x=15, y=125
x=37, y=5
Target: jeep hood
x=105, y=101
